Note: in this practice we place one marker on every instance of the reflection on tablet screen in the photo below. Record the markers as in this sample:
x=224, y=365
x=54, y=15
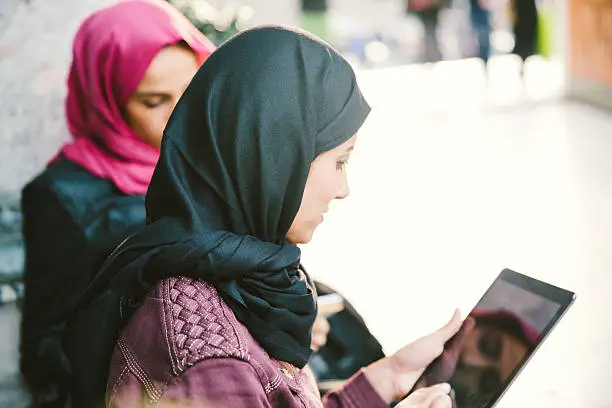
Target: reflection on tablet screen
x=495, y=340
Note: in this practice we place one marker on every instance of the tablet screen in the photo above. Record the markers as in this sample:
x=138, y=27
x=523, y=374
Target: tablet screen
x=496, y=340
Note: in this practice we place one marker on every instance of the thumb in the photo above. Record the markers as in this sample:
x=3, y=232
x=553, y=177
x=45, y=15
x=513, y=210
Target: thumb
x=420, y=353
x=447, y=331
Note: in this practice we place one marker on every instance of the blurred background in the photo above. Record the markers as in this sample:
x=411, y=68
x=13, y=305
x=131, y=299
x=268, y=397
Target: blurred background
x=488, y=147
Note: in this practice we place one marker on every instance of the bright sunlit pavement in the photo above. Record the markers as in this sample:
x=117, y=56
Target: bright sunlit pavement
x=452, y=181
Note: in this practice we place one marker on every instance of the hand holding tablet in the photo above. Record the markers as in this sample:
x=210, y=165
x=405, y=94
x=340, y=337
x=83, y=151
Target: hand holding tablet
x=497, y=339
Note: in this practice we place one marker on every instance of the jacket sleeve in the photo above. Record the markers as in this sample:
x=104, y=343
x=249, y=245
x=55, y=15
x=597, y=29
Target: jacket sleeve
x=357, y=392
x=56, y=259
x=56, y=265
x=217, y=383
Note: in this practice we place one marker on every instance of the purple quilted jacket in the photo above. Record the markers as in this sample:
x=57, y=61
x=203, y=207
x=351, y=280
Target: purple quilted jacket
x=185, y=348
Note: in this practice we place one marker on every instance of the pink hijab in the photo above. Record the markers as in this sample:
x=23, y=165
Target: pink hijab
x=531, y=334
x=112, y=50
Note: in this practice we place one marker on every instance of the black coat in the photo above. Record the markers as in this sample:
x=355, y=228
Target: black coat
x=525, y=28
x=71, y=221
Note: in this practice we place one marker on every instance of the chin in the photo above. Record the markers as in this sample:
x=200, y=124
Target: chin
x=300, y=237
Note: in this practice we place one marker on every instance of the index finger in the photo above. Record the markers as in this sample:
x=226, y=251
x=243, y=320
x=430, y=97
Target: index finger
x=424, y=397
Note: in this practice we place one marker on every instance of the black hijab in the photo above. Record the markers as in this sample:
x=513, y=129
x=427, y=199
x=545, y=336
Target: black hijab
x=234, y=162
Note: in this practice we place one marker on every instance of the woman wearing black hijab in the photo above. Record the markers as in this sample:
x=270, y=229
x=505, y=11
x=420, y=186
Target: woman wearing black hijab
x=208, y=305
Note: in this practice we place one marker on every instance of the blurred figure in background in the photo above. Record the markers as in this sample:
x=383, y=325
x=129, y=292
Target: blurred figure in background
x=480, y=17
x=313, y=18
x=428, y=11
x=524, y=15
x=131, y=63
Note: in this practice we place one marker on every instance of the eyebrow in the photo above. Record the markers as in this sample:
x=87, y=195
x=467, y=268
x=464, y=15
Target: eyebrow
x=349, y=149
x=150, y=94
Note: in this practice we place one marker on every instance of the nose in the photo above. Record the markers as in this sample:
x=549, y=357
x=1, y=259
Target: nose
x=344, y=188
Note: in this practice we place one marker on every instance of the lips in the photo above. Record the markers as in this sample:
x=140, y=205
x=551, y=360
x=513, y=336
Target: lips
x=323, y=214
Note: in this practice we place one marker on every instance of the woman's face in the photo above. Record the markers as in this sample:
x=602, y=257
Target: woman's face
x=489, y=355
x=326, y=182
x=149, y=108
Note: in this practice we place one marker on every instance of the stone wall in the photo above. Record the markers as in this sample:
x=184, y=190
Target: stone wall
x=35, y=41
x=35, y=48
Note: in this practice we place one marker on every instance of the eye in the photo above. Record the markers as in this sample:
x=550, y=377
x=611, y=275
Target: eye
x=341, y=165
x=153, y=103
x=490, y=344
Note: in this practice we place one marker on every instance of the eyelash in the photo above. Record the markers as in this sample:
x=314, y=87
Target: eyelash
x=153, y=105
x=340, y=165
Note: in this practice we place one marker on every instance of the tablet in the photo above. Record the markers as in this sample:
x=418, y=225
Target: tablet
x=497, y=339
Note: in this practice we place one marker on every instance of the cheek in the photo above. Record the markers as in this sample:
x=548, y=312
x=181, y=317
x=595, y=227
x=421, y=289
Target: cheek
x=150, y=123
x=322, y=187
x=331, y=186
x=154, y=120
x=308, y=208
x=157, y=121
x=514, y=352
x=323, y=192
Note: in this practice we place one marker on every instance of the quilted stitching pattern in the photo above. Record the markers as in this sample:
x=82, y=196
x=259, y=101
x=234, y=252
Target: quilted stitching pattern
x=201, y=324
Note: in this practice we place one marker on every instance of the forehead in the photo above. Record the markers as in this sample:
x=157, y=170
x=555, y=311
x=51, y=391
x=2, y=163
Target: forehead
x=171, y=67
x=346, y=146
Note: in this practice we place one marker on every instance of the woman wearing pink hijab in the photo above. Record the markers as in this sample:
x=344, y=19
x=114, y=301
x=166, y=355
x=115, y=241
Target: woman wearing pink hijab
x=131, y=63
